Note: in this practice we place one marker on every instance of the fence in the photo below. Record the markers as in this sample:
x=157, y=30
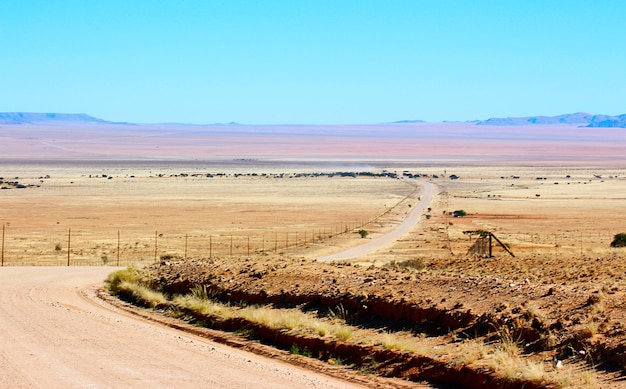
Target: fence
x=62, y=246
x=59, y=245
x=71, y=246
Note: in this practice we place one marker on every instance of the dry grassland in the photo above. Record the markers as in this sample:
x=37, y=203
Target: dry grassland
x=183, y=214
x=554, y=216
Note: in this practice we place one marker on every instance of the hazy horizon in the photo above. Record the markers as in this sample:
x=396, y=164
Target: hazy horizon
x=66, y=117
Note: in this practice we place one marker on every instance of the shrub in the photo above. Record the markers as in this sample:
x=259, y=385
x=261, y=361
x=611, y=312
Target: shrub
x=409, y=264
x=363, y=233
x=459, y=213
x=619, y=240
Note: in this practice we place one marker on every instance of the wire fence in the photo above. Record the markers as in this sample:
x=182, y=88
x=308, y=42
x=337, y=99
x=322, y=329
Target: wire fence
x=67, y=246
x=64, y=246
x=83, y=247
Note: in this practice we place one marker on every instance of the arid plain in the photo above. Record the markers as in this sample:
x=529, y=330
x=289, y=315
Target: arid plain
x=552, y=194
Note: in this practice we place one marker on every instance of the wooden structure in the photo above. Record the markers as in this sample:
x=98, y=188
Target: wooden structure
x=484, y=244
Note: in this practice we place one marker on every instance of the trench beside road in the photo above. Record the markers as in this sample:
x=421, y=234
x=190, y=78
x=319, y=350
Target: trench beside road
x=56, y=333
x=378, y=243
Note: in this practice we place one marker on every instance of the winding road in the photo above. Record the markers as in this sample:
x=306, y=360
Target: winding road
x=378, y=243
x=56, y=333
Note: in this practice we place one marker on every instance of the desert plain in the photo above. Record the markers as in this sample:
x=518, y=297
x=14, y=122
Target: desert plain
x=229, y=207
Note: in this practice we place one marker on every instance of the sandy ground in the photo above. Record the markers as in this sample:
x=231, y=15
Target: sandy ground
x=56, y=333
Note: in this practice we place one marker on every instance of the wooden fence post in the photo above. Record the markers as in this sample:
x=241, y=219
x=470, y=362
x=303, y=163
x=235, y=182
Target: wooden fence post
x=3, y=228
x=69, y=246
x=156, y=245
x=118, y=248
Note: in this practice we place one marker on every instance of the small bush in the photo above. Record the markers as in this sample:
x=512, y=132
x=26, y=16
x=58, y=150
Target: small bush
x=409, y=264
x=340, y=313
x=619, y=240
x=363, y=233
x=459, y=213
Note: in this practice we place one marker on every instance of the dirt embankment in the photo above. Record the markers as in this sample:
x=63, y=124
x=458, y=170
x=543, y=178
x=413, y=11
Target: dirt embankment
x=404, y=299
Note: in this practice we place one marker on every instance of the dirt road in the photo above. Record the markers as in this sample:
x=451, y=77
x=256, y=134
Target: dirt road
x=55, y=333
x=426, y=194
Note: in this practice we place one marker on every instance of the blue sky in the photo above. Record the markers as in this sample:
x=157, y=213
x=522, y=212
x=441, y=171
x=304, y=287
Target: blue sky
x=312, y=62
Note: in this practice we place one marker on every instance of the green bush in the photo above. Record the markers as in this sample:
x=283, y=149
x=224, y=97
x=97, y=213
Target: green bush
x=619, y=240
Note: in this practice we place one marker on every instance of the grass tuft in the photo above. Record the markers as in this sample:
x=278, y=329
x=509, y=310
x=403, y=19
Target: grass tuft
x=472, y=351
x=343, y=333
x=113, y=281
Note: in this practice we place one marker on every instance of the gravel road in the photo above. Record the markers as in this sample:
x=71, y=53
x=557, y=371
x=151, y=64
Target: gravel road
x=55, y=333
x=378, y=243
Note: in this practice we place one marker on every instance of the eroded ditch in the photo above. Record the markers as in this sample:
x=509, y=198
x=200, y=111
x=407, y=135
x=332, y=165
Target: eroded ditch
x=315, y=287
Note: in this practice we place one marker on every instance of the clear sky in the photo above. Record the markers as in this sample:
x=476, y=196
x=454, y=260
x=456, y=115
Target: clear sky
x=313, y=61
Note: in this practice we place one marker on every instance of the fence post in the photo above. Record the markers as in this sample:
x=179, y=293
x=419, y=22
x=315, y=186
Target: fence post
x=581, y=243
x=156, y=244
x=186, y=237
x=118, y=248
x=231, y=245
x=248, y=245
x=69, y=247
x=3, y=228
x=210, y=246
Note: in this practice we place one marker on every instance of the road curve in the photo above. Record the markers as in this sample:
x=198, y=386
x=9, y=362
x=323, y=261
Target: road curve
x=372, y=245
x=54, y=333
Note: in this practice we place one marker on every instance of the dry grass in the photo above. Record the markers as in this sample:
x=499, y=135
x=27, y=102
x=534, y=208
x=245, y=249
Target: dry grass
x=472, y=351
x=129, y=275
x=202, y=306
x=343, y=333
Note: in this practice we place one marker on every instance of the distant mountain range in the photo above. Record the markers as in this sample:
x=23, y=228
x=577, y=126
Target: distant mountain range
x=581, y=118
x=32, y=117
x=409, y=121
